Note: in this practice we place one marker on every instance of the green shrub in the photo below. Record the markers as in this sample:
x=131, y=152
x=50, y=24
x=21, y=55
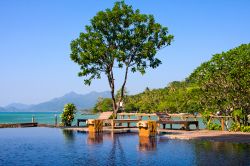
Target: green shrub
x=245, y=128
x=238, y=127
x=68, y=114
x=235, y=127
x=214, y=126
x=206, y=118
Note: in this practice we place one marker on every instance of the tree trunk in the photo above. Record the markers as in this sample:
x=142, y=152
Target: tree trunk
x=112, y=86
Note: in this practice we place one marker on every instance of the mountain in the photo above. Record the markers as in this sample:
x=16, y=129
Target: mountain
x=85, y=101
x=18, y=106
x=2, y=109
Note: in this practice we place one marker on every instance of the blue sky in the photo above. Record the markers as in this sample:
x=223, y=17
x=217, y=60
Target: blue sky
x=35, y=37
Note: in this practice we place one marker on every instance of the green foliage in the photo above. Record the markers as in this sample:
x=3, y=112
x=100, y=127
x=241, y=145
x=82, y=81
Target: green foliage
x=68, y=114
x=103, y=105
x=224, y=80
x=207, y=121
x=206, y=118
x=119, y=37
x=176, y=97
x=235, y=127
x=119, y=34
x=218, y=85
x=214, y=126
x=238, y=116
x=239, y=127
x=245, y=128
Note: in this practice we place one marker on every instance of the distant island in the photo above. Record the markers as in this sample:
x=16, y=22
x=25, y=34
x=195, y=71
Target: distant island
x=82, y=102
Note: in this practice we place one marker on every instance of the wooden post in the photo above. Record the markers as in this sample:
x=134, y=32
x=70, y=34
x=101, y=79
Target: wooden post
x=222, y=124
x=33, y=119
x=112, y=124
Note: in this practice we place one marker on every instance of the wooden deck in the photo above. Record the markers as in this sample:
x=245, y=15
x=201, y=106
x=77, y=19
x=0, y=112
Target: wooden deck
x=16, y=125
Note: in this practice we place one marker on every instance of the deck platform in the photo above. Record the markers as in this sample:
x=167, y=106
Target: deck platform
x=16, y=125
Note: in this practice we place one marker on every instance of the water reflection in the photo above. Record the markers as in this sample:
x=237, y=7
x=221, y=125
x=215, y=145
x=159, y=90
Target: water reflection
x=46, y=146
x=95, y=138
x=147, y=144
x=69, y=135
x=117, y=152
x=221, y=153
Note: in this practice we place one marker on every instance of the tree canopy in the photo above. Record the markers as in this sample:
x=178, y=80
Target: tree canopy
x=219, y=84
x=68, y=114
x=120, y=37
x=225, y=80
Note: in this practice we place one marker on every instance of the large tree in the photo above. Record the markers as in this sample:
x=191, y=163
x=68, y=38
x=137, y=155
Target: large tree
x=225, y=80
x=119, y=37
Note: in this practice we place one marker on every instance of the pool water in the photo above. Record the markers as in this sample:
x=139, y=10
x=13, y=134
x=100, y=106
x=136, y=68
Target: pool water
x=53, y=146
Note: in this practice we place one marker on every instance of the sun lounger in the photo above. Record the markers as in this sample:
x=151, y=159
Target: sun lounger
x=164, y=118
x=103, y=116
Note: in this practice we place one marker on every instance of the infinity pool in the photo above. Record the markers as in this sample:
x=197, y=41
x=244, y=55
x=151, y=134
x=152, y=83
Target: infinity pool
x=57, y=147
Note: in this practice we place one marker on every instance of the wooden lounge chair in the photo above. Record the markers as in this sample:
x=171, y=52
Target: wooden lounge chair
x=103, y=116
x=164, y=118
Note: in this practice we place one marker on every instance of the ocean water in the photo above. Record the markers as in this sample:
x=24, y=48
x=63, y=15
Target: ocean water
x=40, y=117
x=49, y=118
x=54, y=146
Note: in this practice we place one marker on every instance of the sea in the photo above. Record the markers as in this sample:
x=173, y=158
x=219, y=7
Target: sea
x=39, y=117
x=51, y=117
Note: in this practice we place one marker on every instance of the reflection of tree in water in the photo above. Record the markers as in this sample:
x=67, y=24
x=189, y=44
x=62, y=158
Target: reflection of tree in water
x=221, y=153
x=116, y=150
x=69, y=135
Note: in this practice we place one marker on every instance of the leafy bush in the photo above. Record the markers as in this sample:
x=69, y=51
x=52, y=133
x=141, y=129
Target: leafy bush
x=68, y=114
x=103, y=105
x=206, y=118
x=238, y=127
x=245, y=128
x=214, y=126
